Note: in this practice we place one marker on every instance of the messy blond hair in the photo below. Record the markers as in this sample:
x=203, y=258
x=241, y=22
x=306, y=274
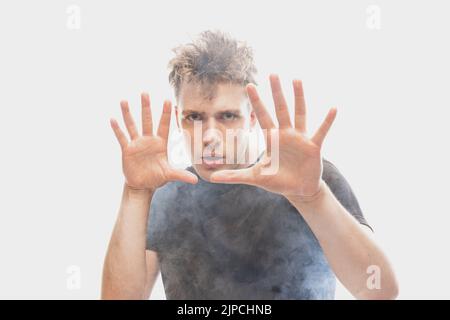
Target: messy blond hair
x=213, y=58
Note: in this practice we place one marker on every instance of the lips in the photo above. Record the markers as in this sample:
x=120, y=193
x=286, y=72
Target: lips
x=213, y=161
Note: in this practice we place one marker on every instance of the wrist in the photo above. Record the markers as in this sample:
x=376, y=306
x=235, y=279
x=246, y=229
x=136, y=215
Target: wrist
x=308, y=199
x=139, y=192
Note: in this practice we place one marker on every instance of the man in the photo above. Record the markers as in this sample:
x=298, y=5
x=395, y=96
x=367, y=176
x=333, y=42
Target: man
x=229, y=229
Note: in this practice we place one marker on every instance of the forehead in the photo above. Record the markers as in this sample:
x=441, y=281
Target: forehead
x=209, y=99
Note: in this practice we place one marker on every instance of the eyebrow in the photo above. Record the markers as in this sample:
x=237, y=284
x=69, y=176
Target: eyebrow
x=237, y=111
x=191, y=111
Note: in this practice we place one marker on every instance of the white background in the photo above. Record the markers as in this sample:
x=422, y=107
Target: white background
x=60, y=168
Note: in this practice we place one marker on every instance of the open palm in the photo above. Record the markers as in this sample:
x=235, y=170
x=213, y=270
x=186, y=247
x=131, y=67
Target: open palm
x=299, y=168
x=144, y=157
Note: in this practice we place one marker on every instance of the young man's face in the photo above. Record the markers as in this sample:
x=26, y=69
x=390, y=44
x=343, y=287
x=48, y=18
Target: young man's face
x=216, y=129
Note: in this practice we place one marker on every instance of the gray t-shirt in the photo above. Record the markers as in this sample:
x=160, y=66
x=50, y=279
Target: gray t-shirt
x=235, y=241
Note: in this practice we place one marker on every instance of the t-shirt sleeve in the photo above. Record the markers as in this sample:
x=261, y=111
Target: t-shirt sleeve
x=342, y=191
x=152, y=242
x=157, y=221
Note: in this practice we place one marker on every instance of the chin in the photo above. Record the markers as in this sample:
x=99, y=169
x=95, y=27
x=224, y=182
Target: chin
x=205, y=171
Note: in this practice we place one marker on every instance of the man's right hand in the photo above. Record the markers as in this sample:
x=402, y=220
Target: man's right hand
x=144, y=157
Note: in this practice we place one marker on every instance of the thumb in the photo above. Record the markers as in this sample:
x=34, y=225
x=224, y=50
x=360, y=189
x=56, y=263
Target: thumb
x=182, y=175
x=233, y=176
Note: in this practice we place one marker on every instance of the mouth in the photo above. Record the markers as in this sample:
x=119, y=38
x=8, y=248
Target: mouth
x=213, y=161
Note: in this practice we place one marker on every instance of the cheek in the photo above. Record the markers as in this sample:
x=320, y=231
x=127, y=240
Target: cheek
x=241, y=123
x=238, y=140
x=188, y=136
x=237, y=127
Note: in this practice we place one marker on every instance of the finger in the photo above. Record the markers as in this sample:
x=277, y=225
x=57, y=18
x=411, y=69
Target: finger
x=300, y=106
x=182, y=175
x=128, y=119
x=281, y=108
x=263, y=116
x=164, y=122
x=123, y=141
x=272, y=139
x=147, y=125
x=244, y=176
x=319, y=136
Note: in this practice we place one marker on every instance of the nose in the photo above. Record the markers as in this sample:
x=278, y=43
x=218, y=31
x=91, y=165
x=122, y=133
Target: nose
x=211, y=136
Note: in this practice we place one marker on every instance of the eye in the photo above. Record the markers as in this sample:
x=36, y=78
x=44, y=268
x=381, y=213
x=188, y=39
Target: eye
x=193, y=117
x=229, y=116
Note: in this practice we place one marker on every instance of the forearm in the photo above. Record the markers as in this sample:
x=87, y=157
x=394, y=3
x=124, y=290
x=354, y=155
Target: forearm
x=124, y=272
x=349, y=249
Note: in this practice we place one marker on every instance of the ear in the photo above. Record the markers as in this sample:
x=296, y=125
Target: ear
x=253, y=118
x=177, y=118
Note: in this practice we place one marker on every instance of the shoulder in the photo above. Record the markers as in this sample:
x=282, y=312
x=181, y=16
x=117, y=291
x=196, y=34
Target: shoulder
x=338, y=184
x=333, y=177
x=341, y=188
x=329, y=169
